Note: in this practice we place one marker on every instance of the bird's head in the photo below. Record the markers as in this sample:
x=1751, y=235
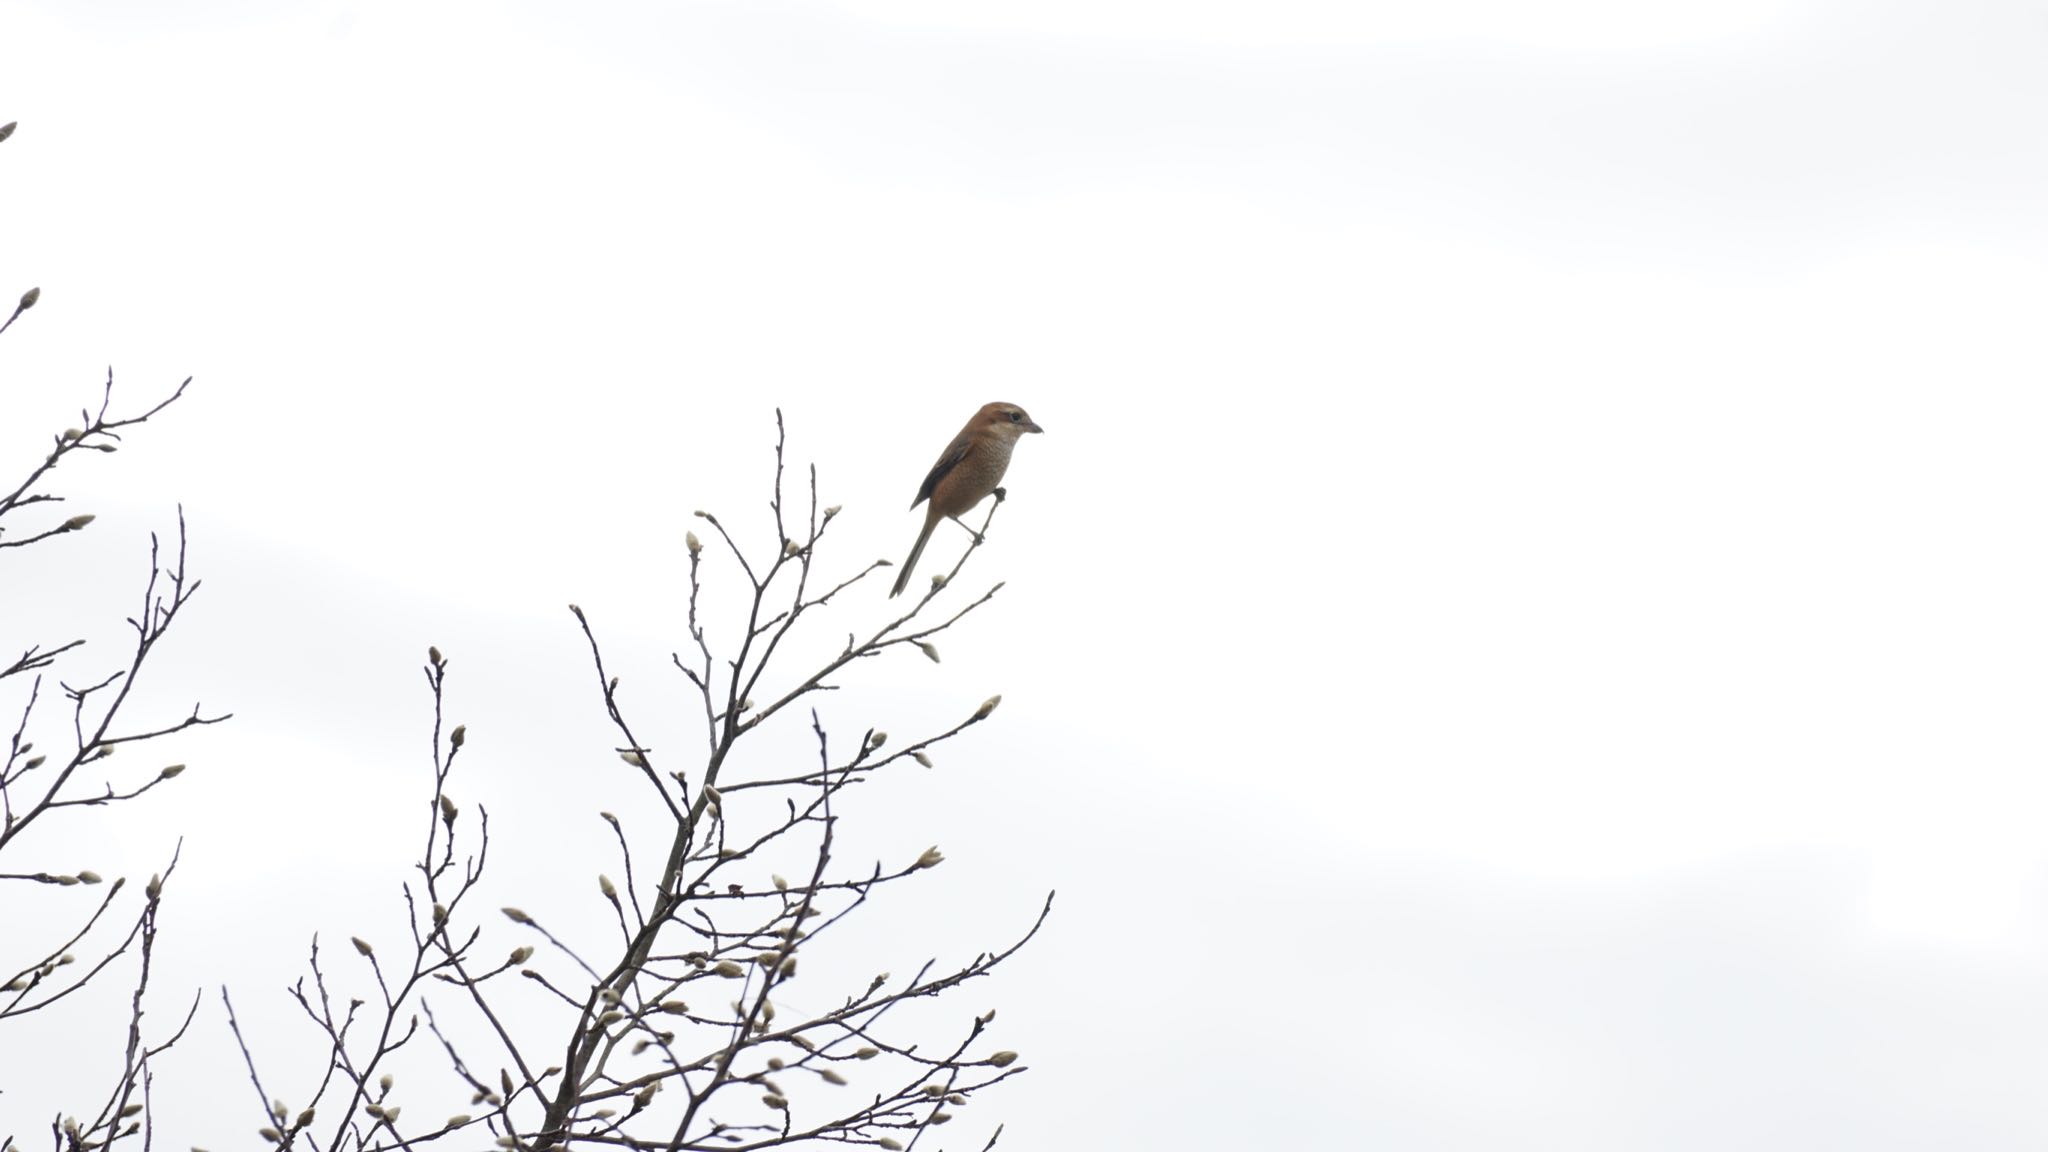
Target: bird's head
x=1005, y=420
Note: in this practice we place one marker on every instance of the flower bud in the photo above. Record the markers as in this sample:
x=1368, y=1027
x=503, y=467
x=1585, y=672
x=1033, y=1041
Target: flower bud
x=29, y=298
x=830, y=1077
x=931, y=651
x=691, y=542
x=931, y=858
x=877, y=739
x=77, y=522
x=604, y=885
x=89, y=877
x=1003, y=1059
x=433, y=655
x=521, y=954
x=455, y=737
x=728, y=969
x=171, y=772
x=921, y=758
x=987, y=706
x=362, y=945
x=516, y=916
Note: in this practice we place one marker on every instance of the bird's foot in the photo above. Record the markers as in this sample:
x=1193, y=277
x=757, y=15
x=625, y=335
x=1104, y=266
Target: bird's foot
x=979, y=540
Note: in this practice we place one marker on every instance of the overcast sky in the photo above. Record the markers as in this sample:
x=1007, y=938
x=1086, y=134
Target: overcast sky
x=1525, y=628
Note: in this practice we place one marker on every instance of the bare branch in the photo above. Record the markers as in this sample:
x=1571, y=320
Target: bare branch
x=670, y=1028
x=99, y=433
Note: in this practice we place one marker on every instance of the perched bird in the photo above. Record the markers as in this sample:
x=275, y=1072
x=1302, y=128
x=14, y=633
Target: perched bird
x=968, y=470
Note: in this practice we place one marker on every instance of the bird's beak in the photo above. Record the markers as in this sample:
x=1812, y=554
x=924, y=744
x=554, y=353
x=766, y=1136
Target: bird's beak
x=1032, y=426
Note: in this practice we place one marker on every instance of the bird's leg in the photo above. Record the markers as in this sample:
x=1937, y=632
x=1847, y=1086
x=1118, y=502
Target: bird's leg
x=978, y=538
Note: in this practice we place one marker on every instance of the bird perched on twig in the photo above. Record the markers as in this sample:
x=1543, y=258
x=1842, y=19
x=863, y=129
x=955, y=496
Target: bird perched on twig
x=969, y=469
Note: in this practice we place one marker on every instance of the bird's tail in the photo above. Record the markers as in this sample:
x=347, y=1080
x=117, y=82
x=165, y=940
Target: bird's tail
x=916, y=550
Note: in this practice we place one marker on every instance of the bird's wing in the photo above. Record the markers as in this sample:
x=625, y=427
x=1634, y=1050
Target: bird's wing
x=948, y=460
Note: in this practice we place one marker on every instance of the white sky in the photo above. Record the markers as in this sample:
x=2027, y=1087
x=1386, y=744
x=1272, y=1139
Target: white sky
x=1525, y=629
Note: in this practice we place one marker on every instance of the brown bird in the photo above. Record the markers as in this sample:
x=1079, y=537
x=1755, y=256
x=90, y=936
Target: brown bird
x=968, y=470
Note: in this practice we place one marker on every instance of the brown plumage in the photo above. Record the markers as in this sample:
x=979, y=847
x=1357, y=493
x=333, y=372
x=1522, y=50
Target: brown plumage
x=968, y=470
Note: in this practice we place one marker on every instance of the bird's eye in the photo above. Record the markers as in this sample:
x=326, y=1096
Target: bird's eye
x=1016, y=416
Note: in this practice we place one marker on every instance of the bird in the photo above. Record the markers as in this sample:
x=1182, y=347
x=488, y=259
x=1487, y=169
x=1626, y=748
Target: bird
x=968, y=470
